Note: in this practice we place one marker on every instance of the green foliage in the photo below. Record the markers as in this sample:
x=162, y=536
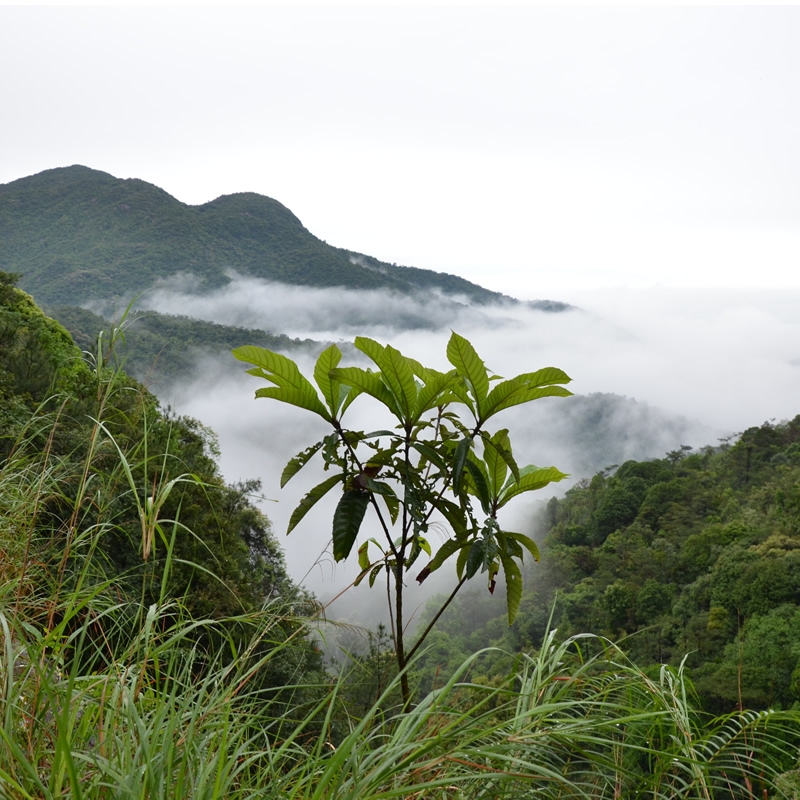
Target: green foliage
x=674, y=558
x=103, y=493
x=160, y=348
x=140, y=656
x=436, y=461
x=100, y=237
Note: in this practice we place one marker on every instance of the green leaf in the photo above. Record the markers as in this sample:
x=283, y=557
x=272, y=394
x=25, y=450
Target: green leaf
x=392, y=505
x=461, y=354
x=444, y=552
x=480, y=484
x=346, y=396
x=298, y=462
x=475, y=557
x=526, y=387
x=513, y=586
x=430, y=454
x=367, y=382
x=296, y=397
x=290, y=385
x=362, y=575
x=363, y=556
x=329, y=359
x=397, y=373
x=454, y=514
x=376, y=570
x=461, y=562
x=311, y=499
x=526, y=542
x=530, y=479
x=498, y=458
x=459, y=459
x=347, y=521
x=435, y=392
x=399, y=376
x=379, y=487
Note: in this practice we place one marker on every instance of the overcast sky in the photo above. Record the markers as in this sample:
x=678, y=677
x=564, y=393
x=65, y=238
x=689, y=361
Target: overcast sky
x=537, y=151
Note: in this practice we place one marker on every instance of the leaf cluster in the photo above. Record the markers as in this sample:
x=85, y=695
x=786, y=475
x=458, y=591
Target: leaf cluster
x=438, y=461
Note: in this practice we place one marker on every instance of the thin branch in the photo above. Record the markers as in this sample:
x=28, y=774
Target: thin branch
x=436, y=618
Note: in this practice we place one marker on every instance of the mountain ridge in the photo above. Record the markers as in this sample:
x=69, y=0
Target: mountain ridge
x=75, y=232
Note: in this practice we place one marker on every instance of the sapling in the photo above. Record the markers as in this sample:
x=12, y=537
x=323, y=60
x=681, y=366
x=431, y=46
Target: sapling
x=436, y=460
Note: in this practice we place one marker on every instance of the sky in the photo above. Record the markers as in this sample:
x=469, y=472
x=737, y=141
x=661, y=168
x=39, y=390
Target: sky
x=639, y=163
x=541, y=152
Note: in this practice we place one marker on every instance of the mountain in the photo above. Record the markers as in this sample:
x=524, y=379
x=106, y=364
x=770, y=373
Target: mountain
x=76, y=234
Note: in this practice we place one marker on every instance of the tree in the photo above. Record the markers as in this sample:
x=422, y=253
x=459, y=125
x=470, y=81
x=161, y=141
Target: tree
x=438, y=459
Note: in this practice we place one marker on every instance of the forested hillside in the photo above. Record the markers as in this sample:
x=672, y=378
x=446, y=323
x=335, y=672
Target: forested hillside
x=159, y=349
x=76, y=234
x=107, y=457
x=693, y=556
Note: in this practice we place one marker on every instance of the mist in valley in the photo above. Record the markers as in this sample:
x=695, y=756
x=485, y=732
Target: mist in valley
x=652, y=370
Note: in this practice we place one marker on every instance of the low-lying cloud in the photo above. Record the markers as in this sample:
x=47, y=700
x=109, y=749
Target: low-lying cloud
x=694, y=366
x=301, y=311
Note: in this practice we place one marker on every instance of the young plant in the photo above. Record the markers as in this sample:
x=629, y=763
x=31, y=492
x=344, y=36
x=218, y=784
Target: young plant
x=437, y=461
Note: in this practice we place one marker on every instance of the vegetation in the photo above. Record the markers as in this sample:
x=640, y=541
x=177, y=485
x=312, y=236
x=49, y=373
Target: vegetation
x=693, y=556
x=434, y=461
x=151, y=645
x=80, y=233
x=159, y=349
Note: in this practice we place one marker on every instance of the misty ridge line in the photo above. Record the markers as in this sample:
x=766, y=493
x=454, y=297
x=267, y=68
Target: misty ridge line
x=307, y=312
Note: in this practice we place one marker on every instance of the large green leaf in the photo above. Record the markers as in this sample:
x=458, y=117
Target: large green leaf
x=295, y=397
x=459, y=460
x=435, y=392
x=498, y=457
x=329, y=359
x=479, y=484
x=399, y=377
x=461, y=354
x=290, y=385
x=444, y=552
x=347, y=521
x=430, y=454
x=525, y=541
x=513, y=578
x=397, y=372
x=530, y=479
x=368, y=382
x=454, y=514
x=522, y=389
x=298, y=462
x=311, y=499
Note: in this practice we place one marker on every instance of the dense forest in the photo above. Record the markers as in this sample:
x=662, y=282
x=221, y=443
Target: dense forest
x=152, y=644
x=691, y=558
x=76, y=233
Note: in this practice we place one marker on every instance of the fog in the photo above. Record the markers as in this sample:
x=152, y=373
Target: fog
x=699, y=365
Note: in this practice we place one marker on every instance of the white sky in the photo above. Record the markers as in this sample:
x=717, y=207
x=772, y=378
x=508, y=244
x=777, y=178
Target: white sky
x=537, y=151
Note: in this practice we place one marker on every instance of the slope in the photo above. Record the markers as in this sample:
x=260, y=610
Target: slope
x=76, y=234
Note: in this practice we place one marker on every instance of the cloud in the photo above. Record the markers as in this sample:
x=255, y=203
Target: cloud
x=331, y=313
x=693, y=366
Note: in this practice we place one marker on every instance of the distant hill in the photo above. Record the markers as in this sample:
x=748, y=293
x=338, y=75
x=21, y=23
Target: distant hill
x=76, y=234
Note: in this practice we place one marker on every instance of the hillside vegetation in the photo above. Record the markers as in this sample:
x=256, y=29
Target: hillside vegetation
x=76, y=234
x=152, y=646
x=690, y=559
